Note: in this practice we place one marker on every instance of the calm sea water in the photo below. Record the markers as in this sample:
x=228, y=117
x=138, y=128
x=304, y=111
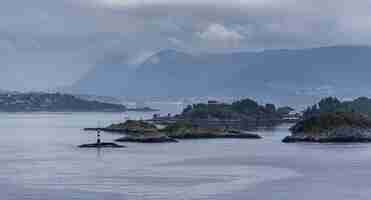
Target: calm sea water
x=39, y=160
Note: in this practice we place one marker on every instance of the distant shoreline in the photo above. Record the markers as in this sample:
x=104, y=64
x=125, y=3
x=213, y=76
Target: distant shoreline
x=73, y=111
x=58, y=102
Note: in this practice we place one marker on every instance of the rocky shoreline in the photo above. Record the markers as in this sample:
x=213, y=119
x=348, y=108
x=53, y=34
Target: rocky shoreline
x=338, y=135
x=147, y=139
x=217, y=136
x=346, y=139
x=101, y=145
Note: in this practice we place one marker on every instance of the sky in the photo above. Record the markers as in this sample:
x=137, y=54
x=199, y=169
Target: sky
x=46, y=44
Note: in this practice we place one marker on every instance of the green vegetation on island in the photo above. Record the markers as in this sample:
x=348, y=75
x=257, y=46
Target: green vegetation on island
x=332, y=104
x=330, y=120
x=243, y=109
x=133, y=126
x=139, y=131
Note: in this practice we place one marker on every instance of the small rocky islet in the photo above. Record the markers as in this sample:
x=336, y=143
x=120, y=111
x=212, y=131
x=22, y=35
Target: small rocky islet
x=333, y=121
x=339, y=127
x=186, y=130
x=144, y=132
x=101, y=145
x=139, y=131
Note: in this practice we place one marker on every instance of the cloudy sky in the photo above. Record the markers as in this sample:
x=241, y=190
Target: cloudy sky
x=50, y=43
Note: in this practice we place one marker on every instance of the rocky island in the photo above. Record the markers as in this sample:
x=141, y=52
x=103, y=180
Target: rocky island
x=332, y=121
x=186, y=130
x=203, y=121
x=139, y=131
x=144, y=132
x=332, y=127
x=245, y=114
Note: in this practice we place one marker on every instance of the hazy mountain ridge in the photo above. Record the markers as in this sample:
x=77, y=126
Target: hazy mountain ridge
x=341, y=70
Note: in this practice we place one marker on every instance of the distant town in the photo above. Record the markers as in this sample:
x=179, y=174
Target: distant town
x=52, y=102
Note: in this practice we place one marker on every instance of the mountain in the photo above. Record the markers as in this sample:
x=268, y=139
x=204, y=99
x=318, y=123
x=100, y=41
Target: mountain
x=338, y=70
x=108, y=78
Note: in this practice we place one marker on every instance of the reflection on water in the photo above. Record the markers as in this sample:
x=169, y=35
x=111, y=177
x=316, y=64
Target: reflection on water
x=39, y=160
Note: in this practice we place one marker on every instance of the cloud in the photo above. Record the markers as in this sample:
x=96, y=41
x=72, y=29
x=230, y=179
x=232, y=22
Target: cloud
x=65, y=38
x=219, y=36
x=218, y=32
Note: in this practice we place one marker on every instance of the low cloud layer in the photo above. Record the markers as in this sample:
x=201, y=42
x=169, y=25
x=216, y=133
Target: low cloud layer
x=218, y=36
x=49, y=43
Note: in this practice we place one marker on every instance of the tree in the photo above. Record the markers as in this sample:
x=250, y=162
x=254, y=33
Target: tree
x=311, y=111
x=246, y=106
x=187, y=109
x=329, y=104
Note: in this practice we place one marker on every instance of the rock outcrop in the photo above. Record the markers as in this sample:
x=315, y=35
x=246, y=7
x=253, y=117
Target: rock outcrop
x=101, y=145
x=181, y=130
x=148, y=138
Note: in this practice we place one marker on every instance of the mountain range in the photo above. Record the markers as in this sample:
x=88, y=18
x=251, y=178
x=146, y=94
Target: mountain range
x=336, y=70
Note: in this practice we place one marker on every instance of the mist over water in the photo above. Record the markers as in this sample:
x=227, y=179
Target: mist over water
x=40, y=160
